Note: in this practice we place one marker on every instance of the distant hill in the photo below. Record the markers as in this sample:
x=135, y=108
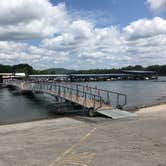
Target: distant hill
x=57, y=71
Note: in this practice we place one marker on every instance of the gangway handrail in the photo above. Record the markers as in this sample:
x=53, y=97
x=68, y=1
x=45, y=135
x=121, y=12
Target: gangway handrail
x=106, y=97
x=31, y=86
x=99, y=89
x=107, y=91
x=85, y=94
x=111, y=92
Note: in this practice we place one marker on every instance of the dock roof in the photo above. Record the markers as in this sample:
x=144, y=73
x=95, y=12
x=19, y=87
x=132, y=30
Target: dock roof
x=98, y=75
x=139, y=72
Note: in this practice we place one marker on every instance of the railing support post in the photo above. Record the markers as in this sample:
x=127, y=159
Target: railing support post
x=100, y=102
x=108, y=98
x=70, y=93
x=59, y=90
x=64, y=91
x=94, y=102
x=77, y=92
x=85, y=100
x=117, y=105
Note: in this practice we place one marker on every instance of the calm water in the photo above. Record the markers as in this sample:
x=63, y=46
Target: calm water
x=20, y=108
x=139, y=93
x=16, y=108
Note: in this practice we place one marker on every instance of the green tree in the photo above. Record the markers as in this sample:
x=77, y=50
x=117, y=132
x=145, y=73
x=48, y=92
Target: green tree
x=23, y=68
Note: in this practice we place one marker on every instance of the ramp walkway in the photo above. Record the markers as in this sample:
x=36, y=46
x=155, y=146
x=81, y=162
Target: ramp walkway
x=116, y=113
x=92, y=99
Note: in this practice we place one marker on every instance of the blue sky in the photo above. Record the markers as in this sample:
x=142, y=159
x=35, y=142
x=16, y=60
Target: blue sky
x=83, y=34
x=120, y=12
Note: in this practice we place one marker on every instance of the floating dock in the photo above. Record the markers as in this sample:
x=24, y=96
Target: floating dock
x=92, y=99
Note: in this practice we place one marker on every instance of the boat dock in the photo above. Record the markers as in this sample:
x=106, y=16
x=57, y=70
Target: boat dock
x=93, y=100
x=124, y=75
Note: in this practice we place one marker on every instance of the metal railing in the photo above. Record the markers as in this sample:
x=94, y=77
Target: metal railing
x=87, y=93
x=109, y=97
x=78, y=96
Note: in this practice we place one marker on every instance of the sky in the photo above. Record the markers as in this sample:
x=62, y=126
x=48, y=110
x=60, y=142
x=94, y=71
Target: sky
x=83, y=34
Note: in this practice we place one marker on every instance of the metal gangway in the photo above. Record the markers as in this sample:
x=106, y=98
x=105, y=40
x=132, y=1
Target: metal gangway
x=91, y=99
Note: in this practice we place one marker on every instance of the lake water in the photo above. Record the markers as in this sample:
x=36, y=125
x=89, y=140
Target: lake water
x=19, y=108
x=139, y=93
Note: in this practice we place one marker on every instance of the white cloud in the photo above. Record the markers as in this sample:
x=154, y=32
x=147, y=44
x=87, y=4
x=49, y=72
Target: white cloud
x=75, y=43
x=84, y=46
x=157, y=5
x=29, y=19
x=18, y=52
x=145, y=28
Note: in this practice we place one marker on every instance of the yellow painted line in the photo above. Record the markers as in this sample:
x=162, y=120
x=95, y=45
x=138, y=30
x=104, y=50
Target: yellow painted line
x=73, y=147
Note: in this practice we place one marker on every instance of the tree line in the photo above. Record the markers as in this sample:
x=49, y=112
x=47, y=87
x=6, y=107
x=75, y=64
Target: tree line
x=26, y=68
x=160, y=69
x=20, y=68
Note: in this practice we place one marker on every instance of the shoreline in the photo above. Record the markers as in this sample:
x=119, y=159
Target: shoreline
x=152, y=109
x=141, y=109
x=58, y=116
x=134, y=107
x=137, y=108
x=138, y=141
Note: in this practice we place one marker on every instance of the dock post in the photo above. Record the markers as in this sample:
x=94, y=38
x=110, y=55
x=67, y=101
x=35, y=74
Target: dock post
x=85, y=100
x=117, y=105
x=59, y=90
x=56, y=88
x=94, y=102
x=71, y=94
x=108, y=98
x=77, y=91
x=64, y=91
x=100, y=102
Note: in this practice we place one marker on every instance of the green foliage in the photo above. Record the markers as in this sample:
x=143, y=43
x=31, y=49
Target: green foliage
x=137, y=67
x=57, y=71
x=161, y=70
x=20, y=68
x=23, y=68
x=27, y=69
x=5, y=69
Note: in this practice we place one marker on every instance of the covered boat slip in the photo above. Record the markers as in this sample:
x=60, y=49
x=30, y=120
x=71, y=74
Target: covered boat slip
x=124, y=75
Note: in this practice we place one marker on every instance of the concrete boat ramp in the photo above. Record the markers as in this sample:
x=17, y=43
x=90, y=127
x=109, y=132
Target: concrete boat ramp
x=84, y=141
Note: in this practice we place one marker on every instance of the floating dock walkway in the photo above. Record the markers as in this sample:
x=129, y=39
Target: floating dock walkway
x=93, y=100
